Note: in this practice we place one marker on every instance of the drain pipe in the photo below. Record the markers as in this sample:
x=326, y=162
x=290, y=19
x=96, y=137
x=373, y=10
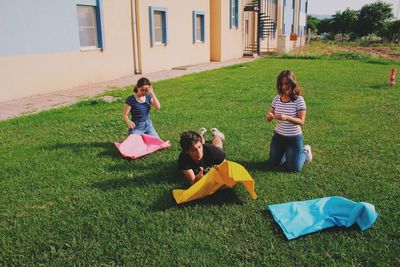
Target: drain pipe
x=137, y=53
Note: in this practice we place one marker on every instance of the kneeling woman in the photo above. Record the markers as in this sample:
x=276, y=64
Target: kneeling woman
x=138, y=105
x=289, y=110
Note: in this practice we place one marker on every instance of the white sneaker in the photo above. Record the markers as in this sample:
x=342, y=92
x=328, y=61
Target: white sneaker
x=307, y=149
x=215, y=131
x=202, y=131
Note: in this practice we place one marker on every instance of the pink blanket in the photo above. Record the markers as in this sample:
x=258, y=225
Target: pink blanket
x=136, y=145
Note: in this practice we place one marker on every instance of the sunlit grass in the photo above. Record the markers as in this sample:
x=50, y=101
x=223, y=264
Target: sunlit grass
x=68, y=198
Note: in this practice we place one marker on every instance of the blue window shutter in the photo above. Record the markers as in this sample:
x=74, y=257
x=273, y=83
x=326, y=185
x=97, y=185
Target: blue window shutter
x=164, y=12
x=298, y=21
x=203, y=29
x=99, y=24
x=151, y=12
x=165, y=28
x=236, y=13
x=202, y=26
x=230, y=14
x=194, y=26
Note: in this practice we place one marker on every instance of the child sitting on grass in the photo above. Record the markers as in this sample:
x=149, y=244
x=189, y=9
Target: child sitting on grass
x=138, y=105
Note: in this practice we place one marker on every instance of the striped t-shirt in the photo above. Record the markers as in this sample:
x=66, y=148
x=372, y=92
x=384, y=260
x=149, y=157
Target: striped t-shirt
x=139, y=111
x=290, y=108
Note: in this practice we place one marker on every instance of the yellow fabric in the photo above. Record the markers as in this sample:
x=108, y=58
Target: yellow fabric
x=227, y=174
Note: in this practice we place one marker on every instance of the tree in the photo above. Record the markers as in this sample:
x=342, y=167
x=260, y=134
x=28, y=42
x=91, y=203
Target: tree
x=312, y=23
x=344, y=22
x=372, y=18
x=394, y=31
x=325, y=26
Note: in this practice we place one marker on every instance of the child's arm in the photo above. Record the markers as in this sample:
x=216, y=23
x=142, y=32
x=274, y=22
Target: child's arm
x=271, y=114
x=154, y=100
x=300, y=119
x=189, y=174
x=128, y=122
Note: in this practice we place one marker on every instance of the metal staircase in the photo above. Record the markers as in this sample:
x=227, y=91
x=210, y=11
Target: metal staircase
x=265, y=26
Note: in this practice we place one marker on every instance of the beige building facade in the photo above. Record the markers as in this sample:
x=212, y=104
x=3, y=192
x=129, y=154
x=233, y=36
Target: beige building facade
x=81, y=42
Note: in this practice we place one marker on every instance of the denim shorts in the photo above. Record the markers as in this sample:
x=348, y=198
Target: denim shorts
x=144, y=127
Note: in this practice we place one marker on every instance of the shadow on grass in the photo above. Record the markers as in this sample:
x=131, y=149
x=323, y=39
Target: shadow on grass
x=108, y=149
x=220, y=198
x=381, y=86
x=264, y=166
x=141, y=174
x=274, y=226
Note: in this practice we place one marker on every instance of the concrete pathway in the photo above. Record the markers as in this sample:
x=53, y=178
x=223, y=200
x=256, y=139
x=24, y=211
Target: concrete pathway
x=37, y=103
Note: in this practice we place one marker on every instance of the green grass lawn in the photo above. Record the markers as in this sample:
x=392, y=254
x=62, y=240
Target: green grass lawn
x=68, y=198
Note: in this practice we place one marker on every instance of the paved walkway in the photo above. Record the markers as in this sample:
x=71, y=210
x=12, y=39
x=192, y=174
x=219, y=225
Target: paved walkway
x=37, y=103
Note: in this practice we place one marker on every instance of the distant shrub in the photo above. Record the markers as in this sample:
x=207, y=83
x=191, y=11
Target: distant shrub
x=349, y=55
x=289, y=56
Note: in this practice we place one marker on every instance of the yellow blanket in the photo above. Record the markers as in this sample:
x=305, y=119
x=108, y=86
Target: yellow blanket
x=227, y=174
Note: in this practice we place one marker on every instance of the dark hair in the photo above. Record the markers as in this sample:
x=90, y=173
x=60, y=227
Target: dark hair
x=289, y=75
x=141, y=82
x=188, y=139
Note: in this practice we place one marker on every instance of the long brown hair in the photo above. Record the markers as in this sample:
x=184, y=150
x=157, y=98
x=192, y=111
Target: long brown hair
x=291, y=78
x=141, y=82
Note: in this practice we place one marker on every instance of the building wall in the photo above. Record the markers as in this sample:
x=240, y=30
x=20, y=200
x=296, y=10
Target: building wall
x=25, y=24
x=40, y=56
x=215, y=30
x=288, y=16
x=300, y=23
x=271, y=9
x=230, y=43
x=302, y=19
x=180, y=49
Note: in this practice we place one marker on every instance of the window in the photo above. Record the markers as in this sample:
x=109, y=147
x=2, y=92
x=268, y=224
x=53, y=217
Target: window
x=89, y=23
x=234, y=11
x=158, y=26
x=198, y=27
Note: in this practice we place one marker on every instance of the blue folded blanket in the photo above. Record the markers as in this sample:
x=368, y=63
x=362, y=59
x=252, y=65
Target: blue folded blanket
x=304, y=217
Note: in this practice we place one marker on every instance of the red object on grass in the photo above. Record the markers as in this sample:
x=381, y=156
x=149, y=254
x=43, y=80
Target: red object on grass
x=137, y=145
x=392, y=77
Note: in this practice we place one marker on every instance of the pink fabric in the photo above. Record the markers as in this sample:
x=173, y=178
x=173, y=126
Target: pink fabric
x=137, y=145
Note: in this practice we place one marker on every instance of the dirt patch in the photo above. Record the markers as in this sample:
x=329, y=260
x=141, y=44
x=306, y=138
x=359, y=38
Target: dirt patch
x=386, y=51
x=383, y=52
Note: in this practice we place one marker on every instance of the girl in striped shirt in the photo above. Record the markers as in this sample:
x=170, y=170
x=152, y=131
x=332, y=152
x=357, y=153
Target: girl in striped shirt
x=138, y=105
x=289, y=110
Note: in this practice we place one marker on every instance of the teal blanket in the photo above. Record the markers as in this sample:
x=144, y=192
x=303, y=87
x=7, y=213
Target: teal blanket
x=304, y=217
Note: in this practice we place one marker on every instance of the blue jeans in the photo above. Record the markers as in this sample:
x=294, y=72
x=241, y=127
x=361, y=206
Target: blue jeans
x=287, y=151
x=144, y=127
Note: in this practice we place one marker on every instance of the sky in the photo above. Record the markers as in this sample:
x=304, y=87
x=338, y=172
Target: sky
x=329, y=7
